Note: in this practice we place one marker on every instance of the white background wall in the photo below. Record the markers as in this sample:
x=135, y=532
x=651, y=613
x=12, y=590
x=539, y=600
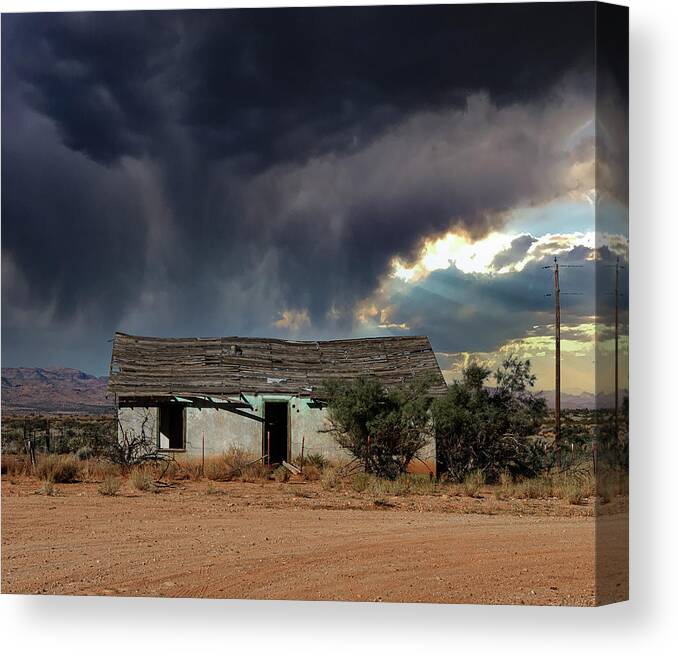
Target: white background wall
x=645, y=625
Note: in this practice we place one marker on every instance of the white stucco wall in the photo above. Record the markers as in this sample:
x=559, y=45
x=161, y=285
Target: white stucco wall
x=222, y=429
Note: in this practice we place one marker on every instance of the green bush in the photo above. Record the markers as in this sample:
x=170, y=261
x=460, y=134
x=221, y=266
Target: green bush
x=383, y=428
x=317, y=460
x=477, y=427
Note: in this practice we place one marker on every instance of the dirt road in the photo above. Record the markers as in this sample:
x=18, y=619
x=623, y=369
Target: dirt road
x=231, y=544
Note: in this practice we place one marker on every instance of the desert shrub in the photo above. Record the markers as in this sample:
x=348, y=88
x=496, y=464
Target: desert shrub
x=397, y=487
x=189, y=468
x=168, y=470
x=605, y=488
x=58, y=468
x=478, y=428
x=228, y=465
x=330, y=479
x=383, y=428
x=612, y=483
x=217, y=468
x=142, y=480
x=281, y=474
x=254, y=472
x=311, y=473
x=16, y=465
x=400, y=486
x=473, y=483
x=588, y=485
x=97, y=469
x=237, y=458
x=132, y=447
x=162, y=468
x=47, y=489
x=573, y=493
x=539, y=487
x=573, y=486
x=317, y=460
x=361, y=481
x=110, y=485
x=84, y=453
x=422, y=484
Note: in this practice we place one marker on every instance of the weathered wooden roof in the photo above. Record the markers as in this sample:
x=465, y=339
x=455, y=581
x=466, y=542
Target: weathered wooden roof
x=158, y=367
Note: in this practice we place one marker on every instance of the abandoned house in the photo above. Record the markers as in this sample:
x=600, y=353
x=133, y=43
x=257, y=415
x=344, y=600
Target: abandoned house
x=195, y=395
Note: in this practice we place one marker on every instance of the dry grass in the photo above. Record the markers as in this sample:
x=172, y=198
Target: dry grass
x=361, y=482
x=423, y=484
x=401, y=486
x=254, y=473
x=58, y=468
x=473, y=483
x=96, y=469
x=213, y=489
x=16, y=465
x=233, y=463
x=110, y=485
x=142, y=480
x=188, y=468
x=573, y=487
x=47, y=489
x=317, y=460
x=311, y=473
x=217, y=468
x=330, y=479
x=281, y=474
x=611, y=484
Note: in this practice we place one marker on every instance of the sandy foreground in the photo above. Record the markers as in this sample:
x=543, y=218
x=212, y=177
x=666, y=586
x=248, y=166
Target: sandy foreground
x=273, y=541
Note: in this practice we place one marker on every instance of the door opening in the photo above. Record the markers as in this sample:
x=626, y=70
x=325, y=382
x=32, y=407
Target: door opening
x=171, y=427
x=275, y=431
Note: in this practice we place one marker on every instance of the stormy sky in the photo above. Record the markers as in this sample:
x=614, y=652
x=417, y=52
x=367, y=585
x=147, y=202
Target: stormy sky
x=306, y=173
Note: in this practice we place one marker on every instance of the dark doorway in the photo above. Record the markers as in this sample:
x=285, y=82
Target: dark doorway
x=275, y=431
x=171, y=427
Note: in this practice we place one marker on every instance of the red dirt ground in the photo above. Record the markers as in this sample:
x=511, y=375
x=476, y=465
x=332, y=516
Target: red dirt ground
x=286, y=541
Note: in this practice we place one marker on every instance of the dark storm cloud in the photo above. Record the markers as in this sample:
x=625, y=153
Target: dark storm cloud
x=199, y=172
x=281, y=83
x=514, y=253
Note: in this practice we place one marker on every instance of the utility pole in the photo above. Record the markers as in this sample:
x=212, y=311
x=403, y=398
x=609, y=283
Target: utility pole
x=617, y=268
x=556, y=293
x=616, y=350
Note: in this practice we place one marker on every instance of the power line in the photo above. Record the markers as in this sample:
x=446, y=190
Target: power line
x=617, y=267
x=555, y=267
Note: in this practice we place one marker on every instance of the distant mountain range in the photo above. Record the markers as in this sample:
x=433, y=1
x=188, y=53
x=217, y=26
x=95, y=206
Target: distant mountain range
x=53, y=390
x=583, y=400
x=57, y=390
